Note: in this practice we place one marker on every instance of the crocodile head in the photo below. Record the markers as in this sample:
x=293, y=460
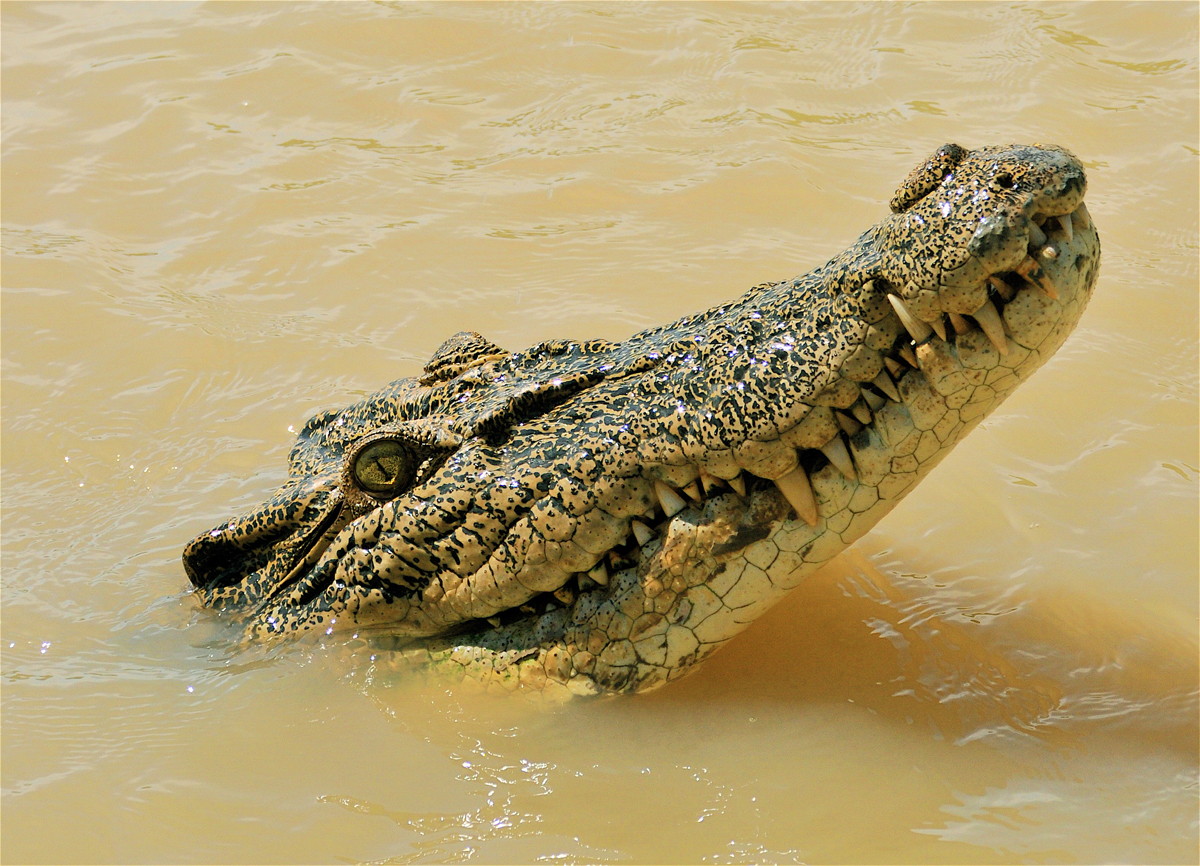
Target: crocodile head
x=592, y=516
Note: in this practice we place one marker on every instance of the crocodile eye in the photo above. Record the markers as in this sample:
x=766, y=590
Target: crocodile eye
x=384, y=467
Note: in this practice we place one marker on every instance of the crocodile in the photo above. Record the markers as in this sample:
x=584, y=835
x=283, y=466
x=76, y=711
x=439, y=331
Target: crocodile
x=588, y=517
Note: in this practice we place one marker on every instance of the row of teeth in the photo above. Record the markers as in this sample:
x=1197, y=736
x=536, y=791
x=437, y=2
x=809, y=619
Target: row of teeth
x=987, y=315
x=672, y=501
x=795, y=486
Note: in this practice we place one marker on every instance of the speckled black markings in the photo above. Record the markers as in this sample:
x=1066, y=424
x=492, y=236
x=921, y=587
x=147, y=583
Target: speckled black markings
x=588, y=517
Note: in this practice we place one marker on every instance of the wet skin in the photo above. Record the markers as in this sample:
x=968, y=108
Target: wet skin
x=585, y=517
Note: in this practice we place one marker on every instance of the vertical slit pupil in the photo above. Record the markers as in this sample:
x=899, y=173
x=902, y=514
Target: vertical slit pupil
x=382, y=467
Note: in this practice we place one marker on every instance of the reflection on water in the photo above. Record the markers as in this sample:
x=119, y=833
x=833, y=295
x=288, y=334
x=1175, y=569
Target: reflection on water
x=220, y=219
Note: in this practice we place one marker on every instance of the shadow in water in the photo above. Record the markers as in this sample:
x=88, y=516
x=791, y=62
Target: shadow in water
x=918, y=652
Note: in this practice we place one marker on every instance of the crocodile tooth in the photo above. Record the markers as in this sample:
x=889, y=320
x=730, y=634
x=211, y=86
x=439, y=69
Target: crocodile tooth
x=641, y=532
x=599, y=573
x=884, y=382
x=916, y=328
x=738, y=485
x=939, y=328
x=1081, y=214
x=908, y=355
x=672, y=503
x=709, y=481
x=850, y=425
x=1002, y=288
x=874, y=401
x=961, y=325
x=835, y=450
x=493, y=621
x=1037, y=237
x=796, y=488
x=1032, y=271
x=862, y=412
x=1049, y=252
x=693, y=492
x=989, y=320
x=896, y=369
x=1065, y=222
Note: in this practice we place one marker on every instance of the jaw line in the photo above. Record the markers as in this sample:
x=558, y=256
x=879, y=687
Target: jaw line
x=662, y=527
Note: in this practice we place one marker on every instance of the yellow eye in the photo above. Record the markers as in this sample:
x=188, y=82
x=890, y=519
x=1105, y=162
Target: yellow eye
x=384, y=467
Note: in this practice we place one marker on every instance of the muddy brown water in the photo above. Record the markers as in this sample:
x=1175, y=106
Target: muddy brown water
x=220, y=219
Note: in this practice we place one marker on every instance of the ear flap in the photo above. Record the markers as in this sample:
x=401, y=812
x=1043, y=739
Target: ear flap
x=464, y=350
x=927, y=176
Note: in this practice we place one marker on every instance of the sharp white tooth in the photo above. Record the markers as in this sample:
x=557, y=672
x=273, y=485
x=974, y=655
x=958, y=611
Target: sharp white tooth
x=1065, y=222
x=961, y=325
x=599, y=573
x=1032, y=271
x=796, y=488
x=672, y=503
x=916, y=328
x=1002, y=288
x=874, y=401
x=939, y=328
x=1037, y=237
x=738, y=485
x=709, y=481
x=895, y=368
x=641, y=532
x=989, y=320
x=693, y=491
x=908, y=355
x=835, y=450
x=884, y=382
x=850, y=425
x=1082, y=216
x=861, y=412
x=493, y=621
x=1049, y=252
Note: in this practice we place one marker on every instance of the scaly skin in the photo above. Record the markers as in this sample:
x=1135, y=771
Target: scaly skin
x=599, y=517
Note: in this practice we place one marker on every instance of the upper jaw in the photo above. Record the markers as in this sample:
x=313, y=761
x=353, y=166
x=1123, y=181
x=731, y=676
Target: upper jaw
x=844, y=441
x=1005, y=254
